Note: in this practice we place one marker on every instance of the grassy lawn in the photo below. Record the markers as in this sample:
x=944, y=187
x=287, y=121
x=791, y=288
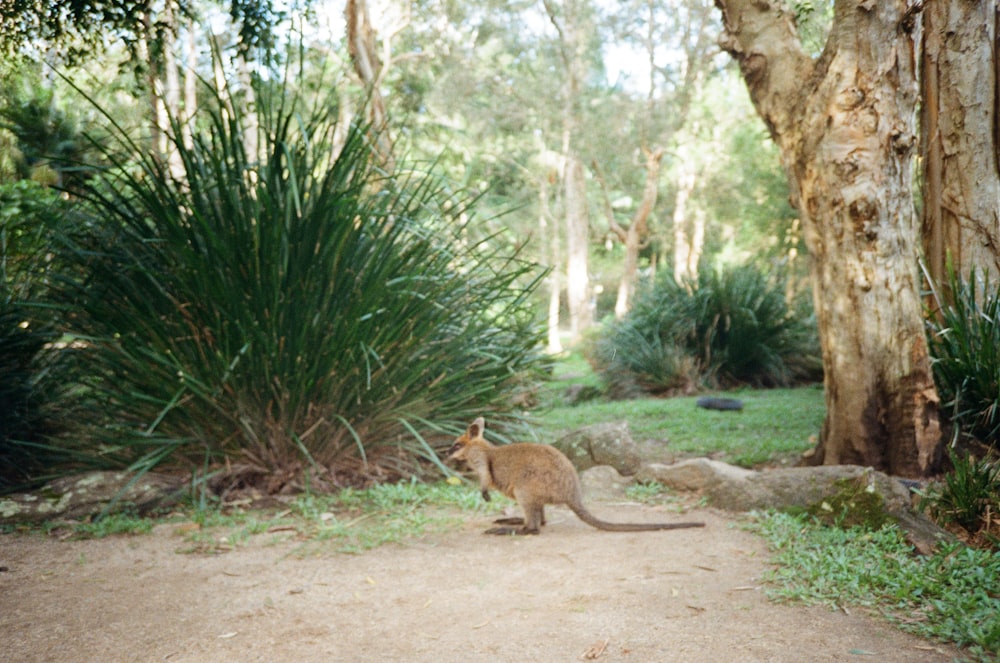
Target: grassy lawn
x=774, y=426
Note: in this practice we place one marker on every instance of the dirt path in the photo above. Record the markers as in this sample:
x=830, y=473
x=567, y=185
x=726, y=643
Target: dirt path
x=686, y=595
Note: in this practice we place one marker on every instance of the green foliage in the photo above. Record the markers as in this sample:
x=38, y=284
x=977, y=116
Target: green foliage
x=48, y=145
x=113, y=524
x=346, y=521
x=284, y=309
x=968, y=495
x=726, y=328
x=27, y=330
x=952, y=595
x=964, y=341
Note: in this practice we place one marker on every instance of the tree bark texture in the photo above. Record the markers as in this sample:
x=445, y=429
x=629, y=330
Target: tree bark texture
x=845, y=125
x=961, y=213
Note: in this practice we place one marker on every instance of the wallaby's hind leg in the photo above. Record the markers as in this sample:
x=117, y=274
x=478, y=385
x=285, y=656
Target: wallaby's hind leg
x=534, y=517
x=510, y=521
x=518, y=520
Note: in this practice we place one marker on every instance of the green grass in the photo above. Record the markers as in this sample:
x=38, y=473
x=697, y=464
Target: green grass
x=349, y=521
x=953, y=595
x=775, y=424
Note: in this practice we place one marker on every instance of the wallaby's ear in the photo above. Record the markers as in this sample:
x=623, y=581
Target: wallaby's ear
x=477, y=428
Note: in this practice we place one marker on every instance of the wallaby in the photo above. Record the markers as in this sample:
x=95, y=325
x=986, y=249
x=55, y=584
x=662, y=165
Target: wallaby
x=534, y=475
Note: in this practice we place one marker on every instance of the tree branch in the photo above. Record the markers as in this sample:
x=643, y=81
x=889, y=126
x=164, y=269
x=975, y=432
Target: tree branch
x=761, y=37
x=609, y=211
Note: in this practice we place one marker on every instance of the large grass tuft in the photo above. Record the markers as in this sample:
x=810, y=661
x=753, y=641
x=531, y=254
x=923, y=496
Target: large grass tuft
x=282, y=311
x=725, y=328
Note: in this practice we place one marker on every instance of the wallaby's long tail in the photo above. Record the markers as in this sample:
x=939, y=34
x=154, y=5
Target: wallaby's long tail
x=594, y=521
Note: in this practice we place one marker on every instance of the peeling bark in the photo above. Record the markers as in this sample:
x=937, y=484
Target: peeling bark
x=961, y=187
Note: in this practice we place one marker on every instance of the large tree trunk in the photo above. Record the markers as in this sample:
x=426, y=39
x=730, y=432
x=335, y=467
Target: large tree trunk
x=845, y=127
x=961, y=215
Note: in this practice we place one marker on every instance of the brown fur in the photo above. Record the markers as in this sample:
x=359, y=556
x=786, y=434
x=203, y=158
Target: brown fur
x=534, y=475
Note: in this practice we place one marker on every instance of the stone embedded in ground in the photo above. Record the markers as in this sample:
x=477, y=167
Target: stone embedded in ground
x=84, y=495
x=602, y=444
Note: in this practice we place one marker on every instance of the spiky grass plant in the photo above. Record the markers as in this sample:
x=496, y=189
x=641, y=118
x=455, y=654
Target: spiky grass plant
x=281, y=311
x=726, y=327
x=964, y=340
x=27, y=331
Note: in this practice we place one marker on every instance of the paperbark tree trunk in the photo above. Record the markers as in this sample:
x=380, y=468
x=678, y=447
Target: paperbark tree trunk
x=845, y=126
x=961, y=213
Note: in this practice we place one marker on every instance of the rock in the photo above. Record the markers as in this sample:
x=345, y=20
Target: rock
x=845, y=495
x=84, y=495
x=716, y=403
x=802, y=487
x=694, y=474
x=603, y=482
x=602, y=444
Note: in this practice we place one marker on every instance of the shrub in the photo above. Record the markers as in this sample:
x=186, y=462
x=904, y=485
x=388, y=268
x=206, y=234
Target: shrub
x=724, y=328
x=286, y=310
x=968, y=496
x=964, y=342
x=26, y=331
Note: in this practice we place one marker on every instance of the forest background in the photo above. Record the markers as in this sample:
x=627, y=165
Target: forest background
x=614, y=144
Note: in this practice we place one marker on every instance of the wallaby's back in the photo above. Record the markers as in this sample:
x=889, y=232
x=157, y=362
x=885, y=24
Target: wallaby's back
x=536, y=469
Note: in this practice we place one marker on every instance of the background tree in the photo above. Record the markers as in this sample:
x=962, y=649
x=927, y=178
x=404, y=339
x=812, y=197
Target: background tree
x=844, y=122
x=573, y=25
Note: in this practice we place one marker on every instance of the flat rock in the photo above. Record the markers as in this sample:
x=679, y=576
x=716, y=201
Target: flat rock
x=695, y=474
x=88, y=494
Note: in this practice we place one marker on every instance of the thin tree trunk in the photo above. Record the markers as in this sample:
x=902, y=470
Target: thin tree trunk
x=961, y=195
x=171, y=85
x=363, y=49
x=635, y=236
x=577, y=248
x=568, y=24
x=845, y=127
x=683, y=247
x=550, y=235
x=190, y=84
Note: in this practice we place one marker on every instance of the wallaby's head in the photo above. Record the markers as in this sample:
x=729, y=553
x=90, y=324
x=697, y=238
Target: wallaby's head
x=472, y=435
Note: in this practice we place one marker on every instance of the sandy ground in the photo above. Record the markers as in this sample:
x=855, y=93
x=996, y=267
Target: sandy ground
x=571, y=593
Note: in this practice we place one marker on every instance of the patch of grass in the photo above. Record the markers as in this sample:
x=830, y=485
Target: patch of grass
x=114, y=524
x=774, y=424
x=953, y=595
x=349, y=521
